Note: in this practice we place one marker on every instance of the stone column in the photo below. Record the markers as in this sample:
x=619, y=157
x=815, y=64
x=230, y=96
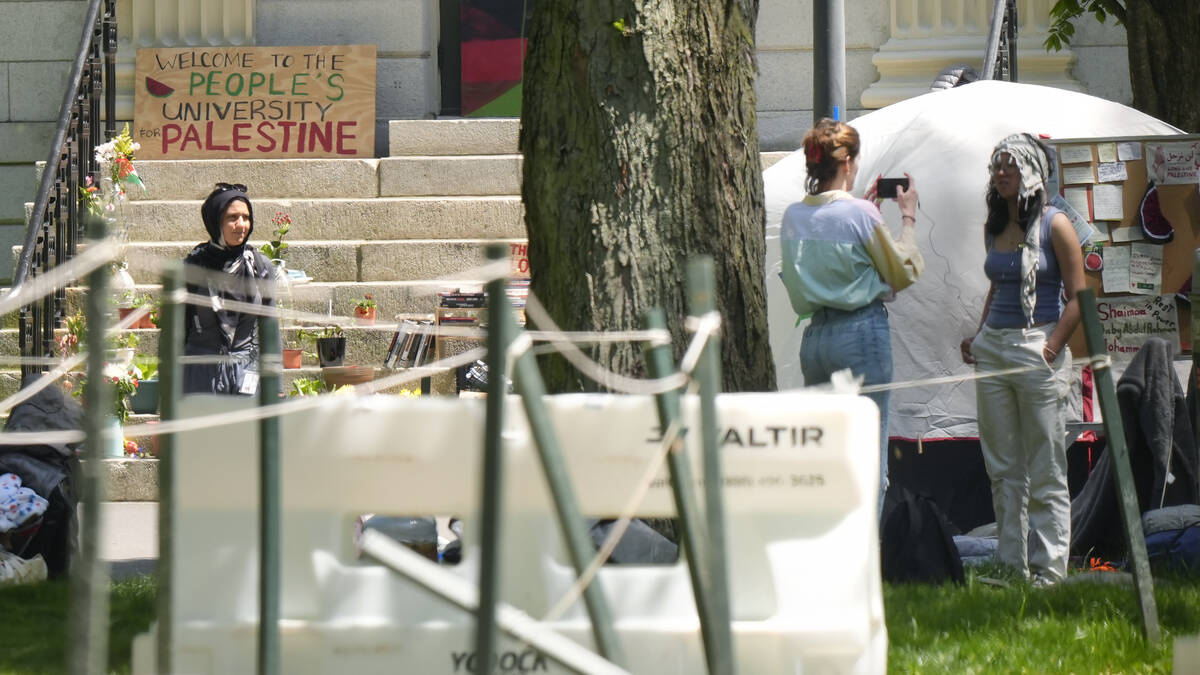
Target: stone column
x=175, y=23
x=928, y=35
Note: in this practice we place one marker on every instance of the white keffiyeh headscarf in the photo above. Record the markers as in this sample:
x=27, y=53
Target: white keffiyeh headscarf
x=1034, y=165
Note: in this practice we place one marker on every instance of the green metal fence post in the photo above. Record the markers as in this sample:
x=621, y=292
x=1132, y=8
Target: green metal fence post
x=528, y=383
x=170, y=376
x=89, y=577
x=1114, y=430
x=270, y=363
x=683, y=487
x=701, y=301
x=492, y=499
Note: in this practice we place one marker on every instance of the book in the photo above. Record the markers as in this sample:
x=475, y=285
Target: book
x=406, y=350
x=423, y=348
x=399, y=340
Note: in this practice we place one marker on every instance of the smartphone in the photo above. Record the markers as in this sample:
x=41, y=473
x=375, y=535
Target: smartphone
x=886, y=187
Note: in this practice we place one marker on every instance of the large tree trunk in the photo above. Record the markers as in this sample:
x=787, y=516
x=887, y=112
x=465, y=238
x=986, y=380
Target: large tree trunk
x=1164, y=61
x=641, y=151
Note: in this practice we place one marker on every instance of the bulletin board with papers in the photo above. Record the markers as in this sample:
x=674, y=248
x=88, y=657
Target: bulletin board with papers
x=1135, y=203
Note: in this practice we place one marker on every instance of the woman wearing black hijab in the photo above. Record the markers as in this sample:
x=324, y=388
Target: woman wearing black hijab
x=228, y=269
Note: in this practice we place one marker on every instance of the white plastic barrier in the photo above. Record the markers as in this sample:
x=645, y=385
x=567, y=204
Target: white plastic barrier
x=800, y=496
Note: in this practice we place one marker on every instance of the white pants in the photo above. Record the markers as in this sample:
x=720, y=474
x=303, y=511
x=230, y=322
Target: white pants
x=1022, y=430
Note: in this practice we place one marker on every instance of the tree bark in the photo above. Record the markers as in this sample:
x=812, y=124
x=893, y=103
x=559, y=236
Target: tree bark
x=1164, y=62
x=641, y=152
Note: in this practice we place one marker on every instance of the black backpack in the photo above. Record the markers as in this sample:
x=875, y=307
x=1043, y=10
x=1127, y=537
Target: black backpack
x=916, y=540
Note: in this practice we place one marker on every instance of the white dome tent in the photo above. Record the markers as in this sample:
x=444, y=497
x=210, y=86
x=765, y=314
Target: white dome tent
x=944, y=140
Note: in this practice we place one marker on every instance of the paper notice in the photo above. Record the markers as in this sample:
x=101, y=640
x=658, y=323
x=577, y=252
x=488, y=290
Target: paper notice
x=1078, y=199
x=1115, y=274
x=1111, y=172
x=1106, y=152
x=1099, y=231
x=1173, y=163
x=1123, y=235
x=1074, y=154
x=1074, y=175
x=1145, y=269
x=1129, y=151
x=1083, y=230
x=1108, y=202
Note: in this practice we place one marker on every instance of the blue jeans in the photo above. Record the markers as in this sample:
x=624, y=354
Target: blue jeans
x=857, y=339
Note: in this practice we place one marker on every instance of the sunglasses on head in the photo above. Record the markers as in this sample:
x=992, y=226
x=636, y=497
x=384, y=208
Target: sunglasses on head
x=231, y=186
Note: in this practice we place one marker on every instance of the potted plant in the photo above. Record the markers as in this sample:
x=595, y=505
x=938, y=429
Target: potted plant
x=145, y=400
x=364, y=311
x=146, y=321
x=331, y=346
x=293, y=354
x=276, y=248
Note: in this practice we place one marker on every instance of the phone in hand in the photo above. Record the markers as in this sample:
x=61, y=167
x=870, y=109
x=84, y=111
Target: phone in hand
x=886, y=187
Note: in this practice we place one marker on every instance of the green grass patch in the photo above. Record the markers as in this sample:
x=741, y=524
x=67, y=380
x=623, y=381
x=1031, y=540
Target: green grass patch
x=1075, y=627
x=1082, y=626
x=34, y=640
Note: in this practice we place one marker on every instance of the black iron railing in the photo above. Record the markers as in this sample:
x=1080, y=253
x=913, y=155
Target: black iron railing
x=55, y=226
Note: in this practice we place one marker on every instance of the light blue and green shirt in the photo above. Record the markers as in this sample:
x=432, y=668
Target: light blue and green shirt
x=838, y=252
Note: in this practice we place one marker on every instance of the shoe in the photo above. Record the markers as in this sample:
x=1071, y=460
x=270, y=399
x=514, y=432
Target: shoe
x=1040, y=581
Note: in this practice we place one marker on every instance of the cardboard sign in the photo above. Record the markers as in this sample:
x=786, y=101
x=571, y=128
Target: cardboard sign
x=255, y=102
x=1128, y=320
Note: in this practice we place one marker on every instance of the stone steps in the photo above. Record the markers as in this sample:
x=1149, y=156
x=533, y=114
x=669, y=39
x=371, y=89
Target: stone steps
x=475, y=136
x=427, y=175
x=344, y=260
x=454, y=217
x=317, y=297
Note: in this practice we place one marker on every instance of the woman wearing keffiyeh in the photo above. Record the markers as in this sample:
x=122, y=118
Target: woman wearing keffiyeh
x=224, y=268
x=1035, y=267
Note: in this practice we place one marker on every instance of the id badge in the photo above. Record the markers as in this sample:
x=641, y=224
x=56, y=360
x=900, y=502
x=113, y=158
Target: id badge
x=249, y=383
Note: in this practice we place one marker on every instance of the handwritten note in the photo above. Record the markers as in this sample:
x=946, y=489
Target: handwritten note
x=1074, y=154
x=1108, y=202
x=1077, y=198
x=1128, y=321
x=1129, y=151
x=1074, y=175
x=1111, y=172
x=1106, y=152
x=1116, y=269
x=1145, y=269
x=1100, y=231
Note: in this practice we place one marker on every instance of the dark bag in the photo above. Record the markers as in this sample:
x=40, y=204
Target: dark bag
x=1175, y=549
x=917, y=540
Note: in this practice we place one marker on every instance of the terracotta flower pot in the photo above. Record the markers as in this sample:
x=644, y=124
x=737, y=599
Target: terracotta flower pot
x=364, y=317
x=292, y=358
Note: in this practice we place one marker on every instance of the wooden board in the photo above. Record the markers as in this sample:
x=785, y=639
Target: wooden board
x=255, y=102
x=1180, y=206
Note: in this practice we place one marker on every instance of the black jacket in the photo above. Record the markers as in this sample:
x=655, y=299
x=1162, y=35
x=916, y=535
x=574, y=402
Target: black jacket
x=242, y=275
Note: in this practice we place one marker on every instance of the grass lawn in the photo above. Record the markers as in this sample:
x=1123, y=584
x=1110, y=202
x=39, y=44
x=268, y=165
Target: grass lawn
x=1085, y=625
x=35, y=635
x=1076, y=627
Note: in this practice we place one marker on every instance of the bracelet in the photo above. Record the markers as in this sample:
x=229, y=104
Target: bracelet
x=1053, y=352
x=912, y=218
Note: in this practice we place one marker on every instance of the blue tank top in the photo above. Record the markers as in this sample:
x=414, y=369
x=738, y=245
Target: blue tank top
x=1003, y=269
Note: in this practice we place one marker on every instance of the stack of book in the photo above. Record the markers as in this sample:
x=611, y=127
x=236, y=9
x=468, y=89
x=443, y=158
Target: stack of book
x=412, y=343
x=457, y=299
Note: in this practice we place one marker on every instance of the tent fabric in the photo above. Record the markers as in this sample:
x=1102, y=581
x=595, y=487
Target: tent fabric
x=944, y=140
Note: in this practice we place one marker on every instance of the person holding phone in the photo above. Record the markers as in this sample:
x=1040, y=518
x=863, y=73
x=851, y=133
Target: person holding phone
x=841, y=263
x=1035, y=267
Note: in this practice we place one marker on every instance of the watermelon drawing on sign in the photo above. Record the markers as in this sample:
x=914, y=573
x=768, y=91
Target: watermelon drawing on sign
x=158, y=89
